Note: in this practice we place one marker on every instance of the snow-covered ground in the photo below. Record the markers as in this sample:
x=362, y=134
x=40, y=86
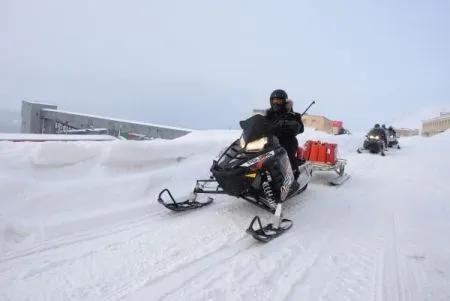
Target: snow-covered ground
x=80, y=221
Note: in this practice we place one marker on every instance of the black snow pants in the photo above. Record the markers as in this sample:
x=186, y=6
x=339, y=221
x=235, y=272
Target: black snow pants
x=291, y=146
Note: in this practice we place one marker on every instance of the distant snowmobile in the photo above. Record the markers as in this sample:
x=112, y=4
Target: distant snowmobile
x=374, y=143
x=255, y=168
x=393, y=140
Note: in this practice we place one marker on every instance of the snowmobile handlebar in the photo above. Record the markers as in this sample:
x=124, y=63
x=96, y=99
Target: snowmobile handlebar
x=306, y=110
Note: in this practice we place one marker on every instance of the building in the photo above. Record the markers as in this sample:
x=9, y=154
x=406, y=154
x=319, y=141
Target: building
x=40, y=118
x=338, y=127
x=405, y=132
x=436, y=125
x=319, y=123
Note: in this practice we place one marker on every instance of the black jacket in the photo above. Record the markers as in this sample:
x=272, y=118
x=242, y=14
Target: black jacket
x=287, y=124
x=393, y=132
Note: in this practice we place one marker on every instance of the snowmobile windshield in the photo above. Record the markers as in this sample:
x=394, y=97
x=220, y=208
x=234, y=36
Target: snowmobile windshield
x=255, y=127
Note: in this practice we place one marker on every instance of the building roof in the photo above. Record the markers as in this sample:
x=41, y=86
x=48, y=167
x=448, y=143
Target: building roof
x=319, y=116
x=405, y=129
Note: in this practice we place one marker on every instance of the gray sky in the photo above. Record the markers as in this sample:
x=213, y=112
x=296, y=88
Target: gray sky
x=207, y=64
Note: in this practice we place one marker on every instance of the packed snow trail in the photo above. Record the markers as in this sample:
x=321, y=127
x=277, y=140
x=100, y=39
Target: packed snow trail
x=80, y=221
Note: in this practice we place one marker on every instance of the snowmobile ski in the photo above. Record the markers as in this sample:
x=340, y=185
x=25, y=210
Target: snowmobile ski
x=272, y=230
x=268, y=232
x=339, y=180
x=189, y=204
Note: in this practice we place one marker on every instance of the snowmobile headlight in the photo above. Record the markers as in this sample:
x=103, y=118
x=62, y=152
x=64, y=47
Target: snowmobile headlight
x=255, y=145
x=374, y=137
x=242, y=142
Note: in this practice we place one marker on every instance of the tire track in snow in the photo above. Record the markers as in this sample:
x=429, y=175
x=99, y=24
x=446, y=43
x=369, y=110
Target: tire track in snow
x=162, y=287
x=190, y=285
x=415, y=256
x=216, y=258
x=125, y=225
x=79, y=237
x=165, y=259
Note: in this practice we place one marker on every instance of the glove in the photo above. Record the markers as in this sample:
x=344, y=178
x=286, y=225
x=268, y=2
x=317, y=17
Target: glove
x=286, y=124
x=281, y=123
x=289, y=127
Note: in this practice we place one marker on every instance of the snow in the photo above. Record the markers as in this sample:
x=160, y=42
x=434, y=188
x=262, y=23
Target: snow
x=79, y=221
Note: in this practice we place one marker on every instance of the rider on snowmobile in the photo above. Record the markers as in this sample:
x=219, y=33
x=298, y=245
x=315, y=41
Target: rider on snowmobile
x=288, y=125
x=382, y=133
x=392, y=131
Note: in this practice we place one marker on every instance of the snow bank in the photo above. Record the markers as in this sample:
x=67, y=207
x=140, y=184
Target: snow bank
x=128, y=154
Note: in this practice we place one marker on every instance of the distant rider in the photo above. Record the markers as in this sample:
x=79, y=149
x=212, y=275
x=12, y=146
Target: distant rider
x=392, y=131
x=382, y=133
x=288, y=125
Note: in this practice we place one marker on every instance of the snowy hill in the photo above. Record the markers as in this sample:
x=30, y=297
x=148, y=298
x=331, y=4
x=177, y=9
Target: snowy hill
x=413, y=119
x=80, y=221
x=9, y=121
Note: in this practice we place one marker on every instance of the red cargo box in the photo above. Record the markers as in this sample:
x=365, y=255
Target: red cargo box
x=332, y=149
x=321, y=152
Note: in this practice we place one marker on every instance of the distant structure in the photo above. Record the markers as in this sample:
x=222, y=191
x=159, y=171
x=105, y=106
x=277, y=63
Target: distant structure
x=406, y=132
x=259, y=112
x=40, y=118
x=319, y=123
x=433, y=126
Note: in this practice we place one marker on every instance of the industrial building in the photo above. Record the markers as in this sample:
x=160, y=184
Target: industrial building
x=319, y=123
x=406, y=132
x=436, y=125
x=40, y=118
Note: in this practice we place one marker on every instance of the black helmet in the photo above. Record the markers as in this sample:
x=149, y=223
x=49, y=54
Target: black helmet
x=377, y=125
x=282, y=96
x=391, y=128
x=383, y=126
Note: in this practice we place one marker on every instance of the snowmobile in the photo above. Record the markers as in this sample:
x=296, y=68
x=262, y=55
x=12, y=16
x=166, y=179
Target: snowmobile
x=373, y=143
x=254, y=168
x=393, y=140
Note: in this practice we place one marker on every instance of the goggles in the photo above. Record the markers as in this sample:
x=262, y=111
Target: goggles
x=277, y=101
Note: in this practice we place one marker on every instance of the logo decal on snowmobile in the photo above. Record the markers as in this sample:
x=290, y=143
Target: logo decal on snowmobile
x=285, y=188
x=288, y=180
x=258, y=159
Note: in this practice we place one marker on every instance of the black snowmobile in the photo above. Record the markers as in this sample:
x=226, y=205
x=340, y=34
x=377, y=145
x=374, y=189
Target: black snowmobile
x=255, y=168
x=374, y=143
